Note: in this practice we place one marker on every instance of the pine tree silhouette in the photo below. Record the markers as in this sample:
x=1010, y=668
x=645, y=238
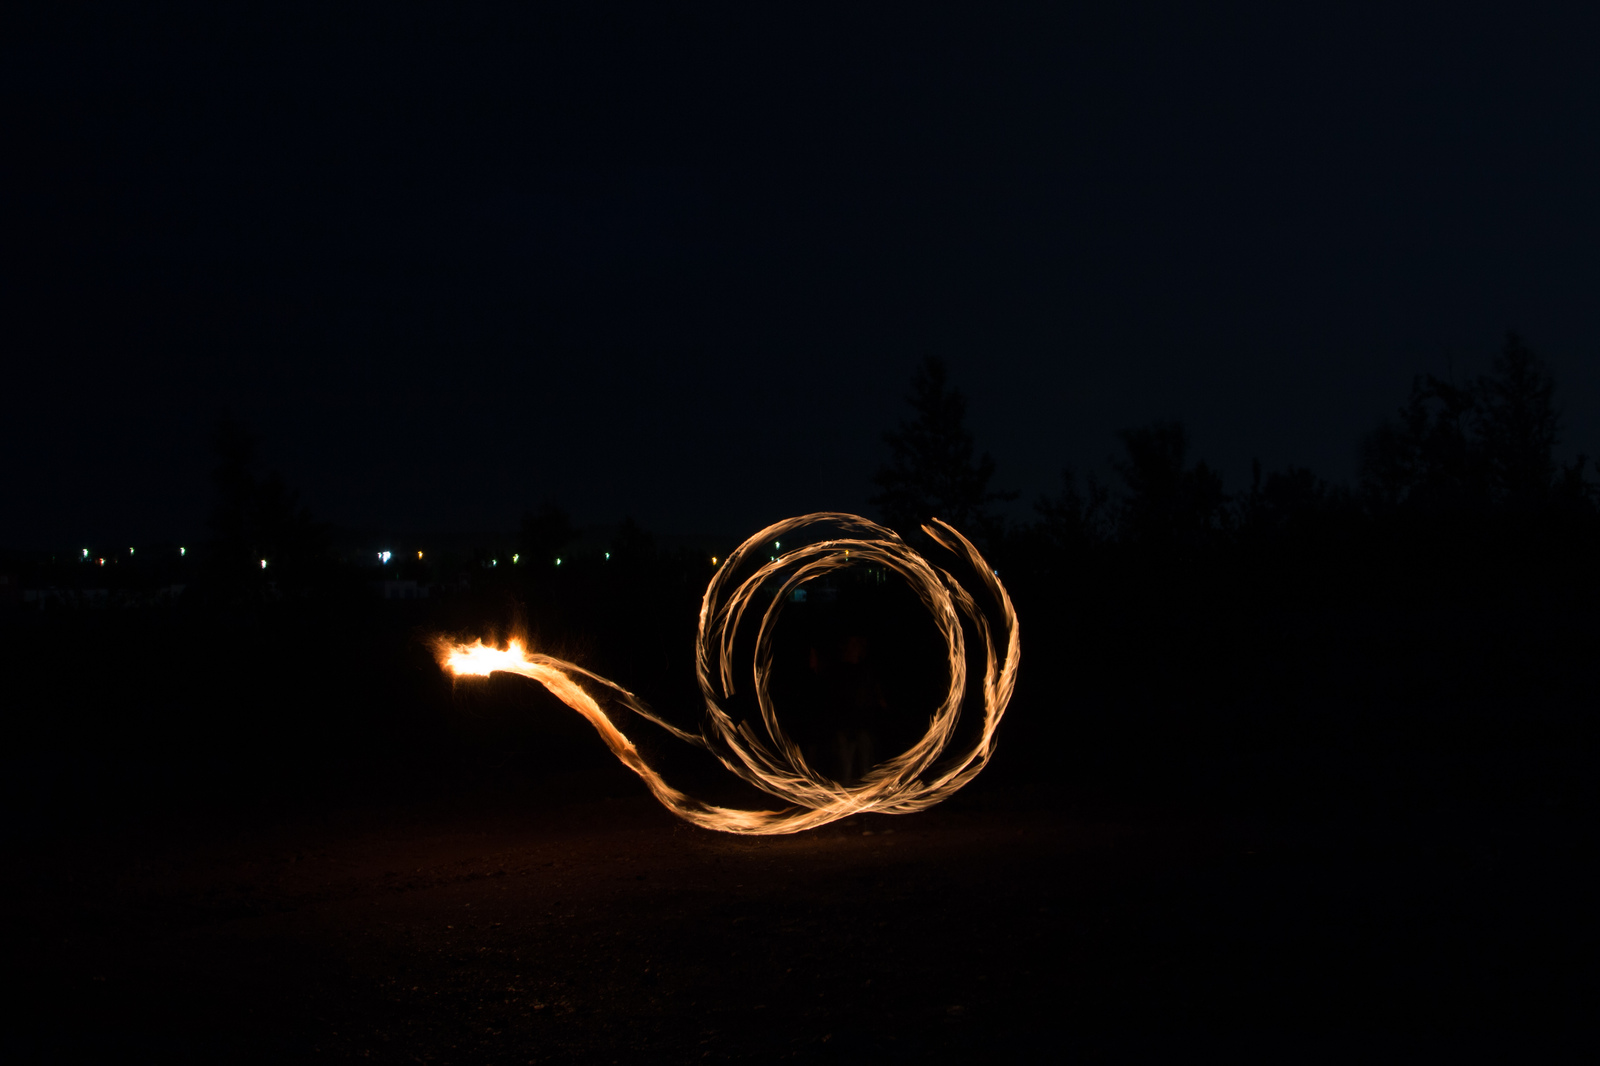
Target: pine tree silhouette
x=931, y=472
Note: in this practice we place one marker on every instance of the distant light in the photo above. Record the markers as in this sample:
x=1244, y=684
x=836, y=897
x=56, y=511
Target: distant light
x=778, y=544
x=130, y=551
x=713, y=560
x=494, y=562
x=86, y=553
x=419, y=555
x=608, y=555
x=263, y=564
x=101, y=560
x=383, y=557
x=558, y=560
x=514, y=557
x=183, y=551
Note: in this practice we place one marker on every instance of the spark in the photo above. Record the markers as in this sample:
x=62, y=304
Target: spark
x=904, y=784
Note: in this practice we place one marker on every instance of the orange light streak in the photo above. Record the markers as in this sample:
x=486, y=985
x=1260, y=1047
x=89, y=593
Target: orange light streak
x=904, y=784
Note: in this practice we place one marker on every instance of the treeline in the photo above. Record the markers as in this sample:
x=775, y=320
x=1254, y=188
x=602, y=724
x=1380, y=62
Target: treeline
x=1460, y=495
x=1447, y=602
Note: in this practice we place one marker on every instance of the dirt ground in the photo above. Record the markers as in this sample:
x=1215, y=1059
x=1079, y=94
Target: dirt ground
x=494, y=930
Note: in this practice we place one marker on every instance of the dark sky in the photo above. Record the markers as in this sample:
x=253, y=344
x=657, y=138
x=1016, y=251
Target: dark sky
x=681, y=264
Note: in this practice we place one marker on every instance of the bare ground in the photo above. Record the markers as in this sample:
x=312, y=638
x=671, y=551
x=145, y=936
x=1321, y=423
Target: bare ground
x=520, y=930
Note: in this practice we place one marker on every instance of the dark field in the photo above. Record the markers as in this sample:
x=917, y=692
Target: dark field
x=287, y=838
x=515, y=930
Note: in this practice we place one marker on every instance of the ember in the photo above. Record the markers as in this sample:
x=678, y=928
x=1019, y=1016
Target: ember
x=904, y=784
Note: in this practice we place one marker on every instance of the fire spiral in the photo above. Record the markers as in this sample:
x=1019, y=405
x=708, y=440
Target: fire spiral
x=766, y=757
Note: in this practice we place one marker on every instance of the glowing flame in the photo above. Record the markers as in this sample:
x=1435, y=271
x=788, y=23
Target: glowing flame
x=774, y=762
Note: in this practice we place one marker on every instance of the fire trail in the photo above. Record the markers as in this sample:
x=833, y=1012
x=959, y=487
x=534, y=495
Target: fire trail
x=911, y=781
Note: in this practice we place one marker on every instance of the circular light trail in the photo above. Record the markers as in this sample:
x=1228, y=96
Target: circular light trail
x=766, y=757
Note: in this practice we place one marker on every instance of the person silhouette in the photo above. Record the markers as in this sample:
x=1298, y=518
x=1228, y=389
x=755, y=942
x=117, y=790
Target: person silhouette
x=852, y=704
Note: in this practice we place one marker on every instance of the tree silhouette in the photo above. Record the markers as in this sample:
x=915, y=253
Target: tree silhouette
x=1289, y=504
x=544, y=534
x=1430, y=459
x=234, y=482
x=1519, y=427
x=1073, y=519
x=1168, y=501
x=1489, y=445
x=254, y=519
x=931, y=471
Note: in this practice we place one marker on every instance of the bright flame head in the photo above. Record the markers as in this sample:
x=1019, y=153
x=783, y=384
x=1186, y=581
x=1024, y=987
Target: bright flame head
x=478, y=659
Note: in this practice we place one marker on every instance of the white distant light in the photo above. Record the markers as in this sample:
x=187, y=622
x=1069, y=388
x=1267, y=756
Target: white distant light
x=383, y=557
x=558, y=560
x=494, y=562
x=130, y=551
x=183, y=551
x=263, y=564
x=608, y=555
x=778, y=544
x=86, y=553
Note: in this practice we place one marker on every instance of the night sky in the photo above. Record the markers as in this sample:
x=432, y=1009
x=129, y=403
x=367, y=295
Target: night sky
x=680, y=265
